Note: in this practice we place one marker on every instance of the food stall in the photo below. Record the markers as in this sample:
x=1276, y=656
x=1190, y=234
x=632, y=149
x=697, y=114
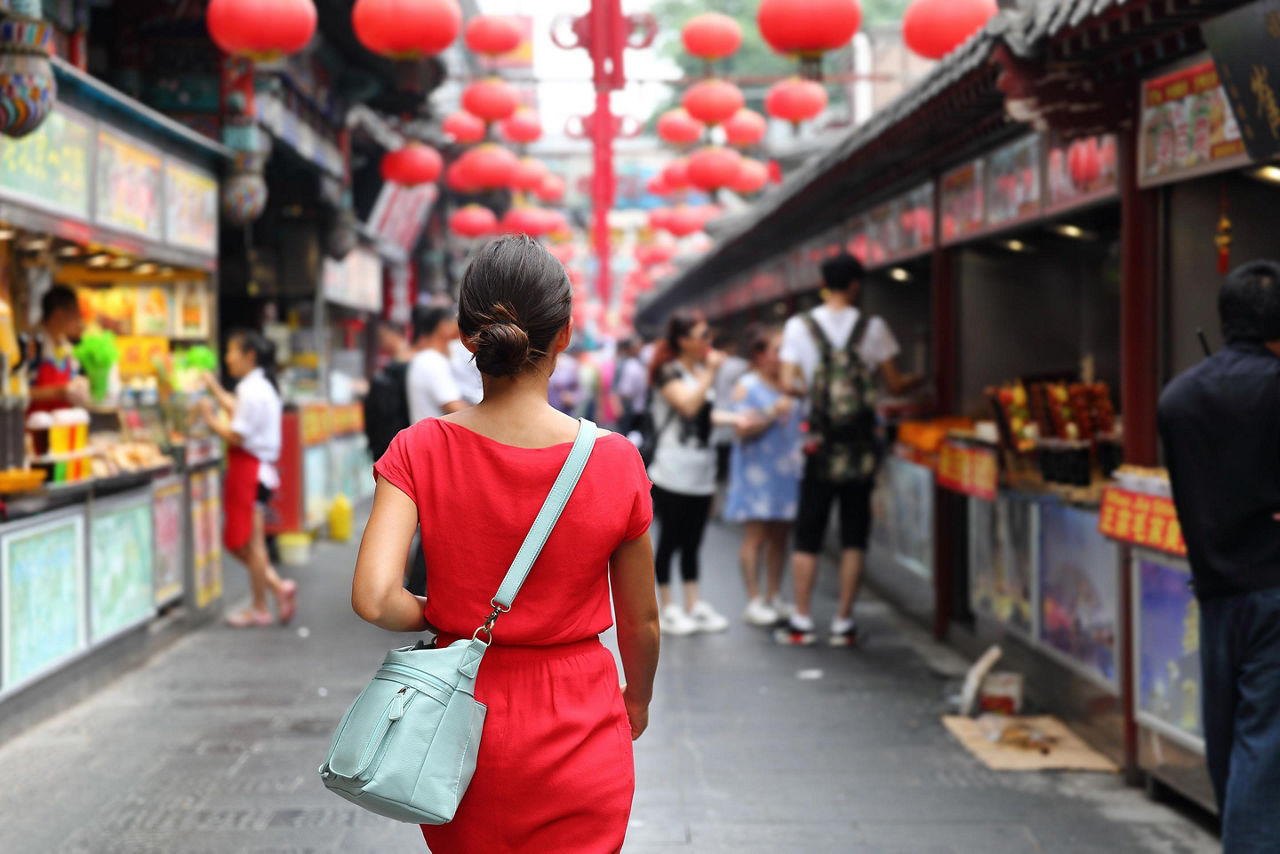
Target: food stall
x=96, y=511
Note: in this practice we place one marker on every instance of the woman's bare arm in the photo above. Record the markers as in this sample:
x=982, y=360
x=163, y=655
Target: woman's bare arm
x=636, y=610
x=377, y=590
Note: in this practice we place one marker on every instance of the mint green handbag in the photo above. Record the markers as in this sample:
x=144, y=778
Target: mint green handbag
x=407, y=747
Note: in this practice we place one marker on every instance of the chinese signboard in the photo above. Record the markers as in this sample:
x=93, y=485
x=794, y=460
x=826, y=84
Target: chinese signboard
x=128, y=184
x=400, y=213
x=963, y=202
x=1246, y=48
x=1142, y=520
x=191, y=208
x=1013, y=182
x=968, y=470
x=49, y=168
x=1188, y=127
x=355, y=281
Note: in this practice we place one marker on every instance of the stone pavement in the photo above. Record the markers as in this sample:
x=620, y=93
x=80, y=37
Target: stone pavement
x=213, y=747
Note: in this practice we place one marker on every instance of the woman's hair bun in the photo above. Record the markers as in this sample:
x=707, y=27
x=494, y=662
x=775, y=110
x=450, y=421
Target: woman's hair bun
x=502, y=349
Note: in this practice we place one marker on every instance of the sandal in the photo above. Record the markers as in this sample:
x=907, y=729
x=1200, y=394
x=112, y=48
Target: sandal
x=287, y=601
x=248, y=619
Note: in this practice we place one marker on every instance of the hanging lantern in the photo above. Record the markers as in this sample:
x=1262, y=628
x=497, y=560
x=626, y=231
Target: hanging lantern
x=28, y=88
x=676, y=174
x=473, y=221
x=464, y=127
x=713, y=167
x=406, y=29
x=934, y=28
x=551, y=190
x=487, y=167
x=492, y=100
x=528, y=175
x=679, y=128
x=523, y=127
x=412, y=165
x=456, y=179
x=808, y=28
x=656, y=186
x=745, y=128
x=261, y=31
x=713, y=101
x=493, y=35
x=534, y=222
x=752, y=177
x=684, y=221
x=711, y=36
x=659, y=219
x=796, y=100
x=244, y=191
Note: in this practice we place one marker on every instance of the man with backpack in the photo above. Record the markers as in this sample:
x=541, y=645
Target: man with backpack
x=386, y=406
x=832, y=358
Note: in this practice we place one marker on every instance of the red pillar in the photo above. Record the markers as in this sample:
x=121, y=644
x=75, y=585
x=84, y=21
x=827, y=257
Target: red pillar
x=1139, y=309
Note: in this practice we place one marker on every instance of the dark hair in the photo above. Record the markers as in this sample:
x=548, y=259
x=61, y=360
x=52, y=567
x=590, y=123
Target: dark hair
x=758, y=338
x=427, y=319
x=264, y=352
x=58, y=298
x=679, y=326
x=1249, y=302
x=841, y=271
x=514, y=300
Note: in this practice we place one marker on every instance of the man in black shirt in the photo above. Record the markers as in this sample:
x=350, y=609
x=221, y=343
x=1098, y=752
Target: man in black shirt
x=1220, y=425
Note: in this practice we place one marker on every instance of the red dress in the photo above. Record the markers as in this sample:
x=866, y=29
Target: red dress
x=555, y=771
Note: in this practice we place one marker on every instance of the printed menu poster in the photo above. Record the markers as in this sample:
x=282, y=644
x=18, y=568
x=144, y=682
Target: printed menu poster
x=121, y=569
x=1188, y=127
x=169, y=540
x=42, y=596
x=1169, y=683
x=191, y=310
x=1078, y=589
x=151, y=310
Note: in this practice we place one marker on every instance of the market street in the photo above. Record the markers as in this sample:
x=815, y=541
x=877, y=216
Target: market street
x=213, y=746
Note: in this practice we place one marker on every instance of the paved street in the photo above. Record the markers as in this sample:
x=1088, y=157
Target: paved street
x=213, y=746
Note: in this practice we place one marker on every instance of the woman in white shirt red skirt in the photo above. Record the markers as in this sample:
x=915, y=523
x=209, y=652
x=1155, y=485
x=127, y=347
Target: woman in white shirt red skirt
x=253, y=446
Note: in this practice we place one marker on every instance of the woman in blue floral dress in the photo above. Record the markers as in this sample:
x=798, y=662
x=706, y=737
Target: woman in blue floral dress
x=764, y=474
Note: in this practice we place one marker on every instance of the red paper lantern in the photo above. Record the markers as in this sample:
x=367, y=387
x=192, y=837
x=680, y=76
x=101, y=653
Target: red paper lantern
x=684, y=221
x=551, y=190
x=456, y=178
x=523, y=127
x=656, y=185
x=679, y=128
x=795, y=100
x=492, y=100
x=534, y=222
x=709, y=212
x=492, y=34
x=659, y=219
x=712, y=101
x=261, y=31
x=488, y=167
x=934, y=28
x=528, y=175
x=714, y=167
x=711, y=36
x=808, y=27
x=472, y=221
x=752, y=177
x=563, y=252
x=745, y=128
x=676, y=174
x=464, y=127
x=406, y=29
x=412, y=165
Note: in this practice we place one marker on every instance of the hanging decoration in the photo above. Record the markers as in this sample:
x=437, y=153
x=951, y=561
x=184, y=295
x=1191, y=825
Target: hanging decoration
x=679, y=128
x=412, y=165
x=406, y=29
x=456, y=179
x=28, y=88
x=244, y=190
x=1084, y=162
x=493, y=99
x=1222, y=239
x=934, y=28
x=263, y=32
x=683, y=221
x=487, y=167
x=464, y=127
x=676, y=174
x=796, y=100
x=656, y=185
x=659, y=219
x=492, y=35
x=473, y=221
x=551, y=190
x=532, y=221
x=711, y=36
x=713, y=101
x=807, y=29
x=523, y=127
x=752, y=177
x=745, y=128
x=713, y=167
x=528, y=175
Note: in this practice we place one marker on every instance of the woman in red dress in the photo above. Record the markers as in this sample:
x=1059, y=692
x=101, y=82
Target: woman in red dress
x=555, y=770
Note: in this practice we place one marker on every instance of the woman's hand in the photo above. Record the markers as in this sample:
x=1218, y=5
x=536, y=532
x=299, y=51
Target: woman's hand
x=637, y=714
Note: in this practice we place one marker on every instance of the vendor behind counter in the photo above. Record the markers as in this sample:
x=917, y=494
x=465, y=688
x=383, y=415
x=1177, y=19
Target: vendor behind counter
x=56, y=382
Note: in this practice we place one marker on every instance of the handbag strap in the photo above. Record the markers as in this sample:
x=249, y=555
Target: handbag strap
x=544, y=524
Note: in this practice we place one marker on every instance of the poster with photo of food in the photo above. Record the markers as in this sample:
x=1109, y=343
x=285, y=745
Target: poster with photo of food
x=152, y=309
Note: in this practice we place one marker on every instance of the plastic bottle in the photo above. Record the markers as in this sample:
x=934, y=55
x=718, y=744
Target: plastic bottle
x=340, y=518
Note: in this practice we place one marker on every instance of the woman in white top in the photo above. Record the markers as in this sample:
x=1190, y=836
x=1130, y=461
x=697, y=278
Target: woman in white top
x=683, y=470
x=253, y=446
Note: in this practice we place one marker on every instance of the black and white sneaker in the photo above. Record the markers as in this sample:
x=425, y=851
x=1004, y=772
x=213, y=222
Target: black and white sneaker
x=789, y=635
x=843, y=634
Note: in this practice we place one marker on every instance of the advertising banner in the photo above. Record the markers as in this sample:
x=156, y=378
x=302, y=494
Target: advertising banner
x=170, y=541
x=1245, y=44
x=49, y=167
x=190, y=208
x=42, y=597
x=969, y=470
x=1079, y=595
x=129, y=185
x=1188, y=127
x=121, y=568
x=1013, y=182
x=963, y=202
x=1142, y=520
x=1001, y=559
x=1168, y=646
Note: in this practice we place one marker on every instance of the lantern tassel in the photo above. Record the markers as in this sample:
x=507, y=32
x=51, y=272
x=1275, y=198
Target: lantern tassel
x=1223, y=237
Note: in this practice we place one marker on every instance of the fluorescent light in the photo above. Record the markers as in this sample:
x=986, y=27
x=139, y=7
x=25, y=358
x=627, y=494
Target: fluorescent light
x=69, y=251
x=122, y=262
x=144, y=269
x=36, y=245
x=1269, y=173
x=899, y=275
x=99, y=260
x=1015, y=246
x=1070, y=231
x=7, y=234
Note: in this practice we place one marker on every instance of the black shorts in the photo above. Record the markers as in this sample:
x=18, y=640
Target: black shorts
x=264, y=496
x=816, y=497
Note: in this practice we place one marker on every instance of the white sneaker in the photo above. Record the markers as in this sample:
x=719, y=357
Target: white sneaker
x=760, y=614
x=675, y=622
x=708, y=619
x=781, y=608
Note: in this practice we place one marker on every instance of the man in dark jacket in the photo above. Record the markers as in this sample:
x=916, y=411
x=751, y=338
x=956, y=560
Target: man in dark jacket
x=1220, y=425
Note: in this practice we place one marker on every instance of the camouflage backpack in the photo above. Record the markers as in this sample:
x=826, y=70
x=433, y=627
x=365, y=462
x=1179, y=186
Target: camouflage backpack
x=842, y=409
